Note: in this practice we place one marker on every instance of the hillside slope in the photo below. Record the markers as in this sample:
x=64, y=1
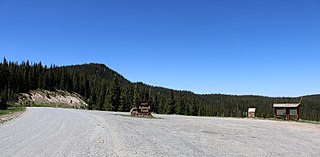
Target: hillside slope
x=55, y=98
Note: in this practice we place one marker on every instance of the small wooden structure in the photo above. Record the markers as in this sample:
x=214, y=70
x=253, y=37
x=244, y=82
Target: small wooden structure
x=251, y=112
x=142, y=109
x=288, y=111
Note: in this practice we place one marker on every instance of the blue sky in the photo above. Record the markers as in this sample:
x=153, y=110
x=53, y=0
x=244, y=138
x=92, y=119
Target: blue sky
x=269, y=48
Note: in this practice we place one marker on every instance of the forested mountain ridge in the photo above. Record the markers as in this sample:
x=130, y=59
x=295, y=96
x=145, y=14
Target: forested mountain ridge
x=104, y=89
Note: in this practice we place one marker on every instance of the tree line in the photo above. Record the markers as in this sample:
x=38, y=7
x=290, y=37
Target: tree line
x=104, y=89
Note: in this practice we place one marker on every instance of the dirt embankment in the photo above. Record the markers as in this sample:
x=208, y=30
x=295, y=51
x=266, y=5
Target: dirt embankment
x=55, y=98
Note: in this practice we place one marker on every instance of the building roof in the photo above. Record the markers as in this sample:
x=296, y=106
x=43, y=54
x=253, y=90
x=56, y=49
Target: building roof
x=286, y=105
x=252, y=110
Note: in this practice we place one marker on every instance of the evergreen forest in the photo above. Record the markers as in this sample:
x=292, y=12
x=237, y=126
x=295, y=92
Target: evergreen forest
x=104, y=89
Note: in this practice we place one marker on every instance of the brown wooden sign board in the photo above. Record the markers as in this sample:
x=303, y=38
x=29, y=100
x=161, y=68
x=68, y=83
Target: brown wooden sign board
x=142, y=109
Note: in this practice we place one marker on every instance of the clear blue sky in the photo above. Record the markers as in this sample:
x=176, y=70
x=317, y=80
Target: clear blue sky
x=240, y=47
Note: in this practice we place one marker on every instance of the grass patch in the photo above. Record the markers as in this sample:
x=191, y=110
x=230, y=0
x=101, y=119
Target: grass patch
x=309, y=121
x=12, y=110
x=261, y=118
x=147, y=117
x=283, y=120
x=50, y=105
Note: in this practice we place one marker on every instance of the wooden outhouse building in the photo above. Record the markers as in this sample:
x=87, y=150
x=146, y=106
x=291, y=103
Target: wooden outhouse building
x=287, y=111
x=251, y=112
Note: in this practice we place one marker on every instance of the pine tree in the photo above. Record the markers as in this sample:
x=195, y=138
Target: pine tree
x=193, y=108
x=4, y=74
x=3, y=103
x=123, y=101
x=171, y=105
x=155, y=103
x=62, y=80
x=101, y=98
x=181, y=106
x=115, y=93
x=107, y=101
x=136, y=96
x=130, y=98
x=45, y=84
x=93, y=98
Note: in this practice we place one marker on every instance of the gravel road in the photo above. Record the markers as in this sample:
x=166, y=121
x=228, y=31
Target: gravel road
x=67, y=132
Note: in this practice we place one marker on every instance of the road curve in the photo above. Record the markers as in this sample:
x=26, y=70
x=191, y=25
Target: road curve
x=67, y=132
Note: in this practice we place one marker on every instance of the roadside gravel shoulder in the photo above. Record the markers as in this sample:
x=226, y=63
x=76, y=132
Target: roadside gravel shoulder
x=10, y=116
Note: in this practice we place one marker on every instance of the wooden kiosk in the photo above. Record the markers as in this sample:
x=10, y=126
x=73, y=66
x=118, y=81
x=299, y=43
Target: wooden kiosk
x=287, y=111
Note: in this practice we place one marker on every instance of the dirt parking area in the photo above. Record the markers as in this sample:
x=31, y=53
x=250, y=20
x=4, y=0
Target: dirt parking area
x=69, y=132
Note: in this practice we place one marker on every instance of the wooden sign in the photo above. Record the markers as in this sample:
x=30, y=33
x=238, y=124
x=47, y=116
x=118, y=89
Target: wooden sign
x=142, y=109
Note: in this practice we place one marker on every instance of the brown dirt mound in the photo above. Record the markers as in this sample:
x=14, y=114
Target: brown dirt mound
x=55, y=98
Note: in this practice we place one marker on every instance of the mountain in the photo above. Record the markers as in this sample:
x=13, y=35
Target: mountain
x=104, y=89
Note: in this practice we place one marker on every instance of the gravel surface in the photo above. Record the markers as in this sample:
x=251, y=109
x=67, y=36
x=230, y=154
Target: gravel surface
x=68, y=132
